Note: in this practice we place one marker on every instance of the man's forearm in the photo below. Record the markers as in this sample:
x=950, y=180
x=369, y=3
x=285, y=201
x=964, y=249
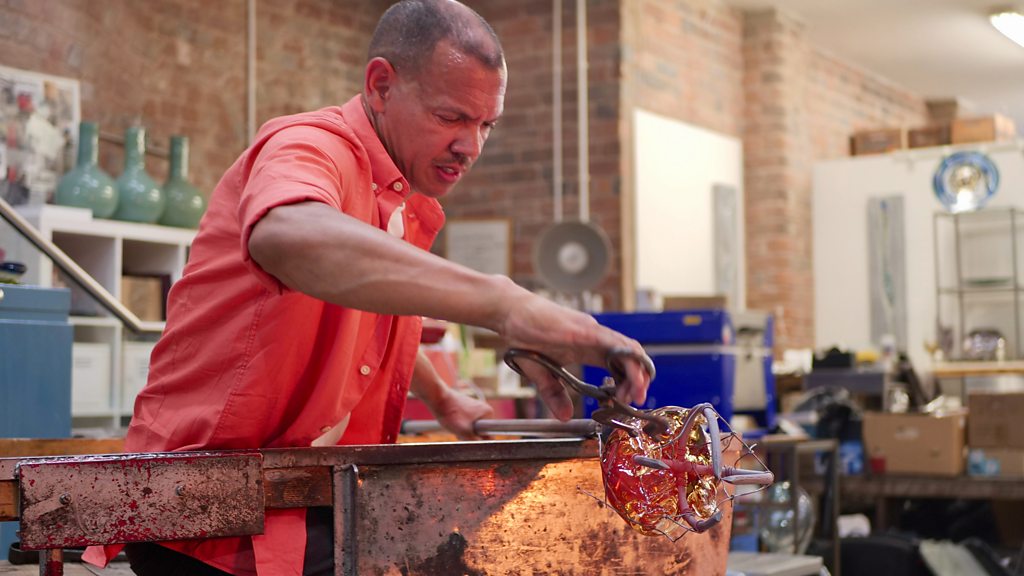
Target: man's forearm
x=426, y=383
x=314, y=249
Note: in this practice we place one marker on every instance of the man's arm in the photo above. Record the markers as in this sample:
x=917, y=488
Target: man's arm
x=455, y=411
x=314, y=249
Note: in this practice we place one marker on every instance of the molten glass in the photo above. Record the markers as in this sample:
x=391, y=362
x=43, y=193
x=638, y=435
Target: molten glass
x=649, y=499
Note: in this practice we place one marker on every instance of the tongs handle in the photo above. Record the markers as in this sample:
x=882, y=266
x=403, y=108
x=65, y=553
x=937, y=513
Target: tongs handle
x=611, y=407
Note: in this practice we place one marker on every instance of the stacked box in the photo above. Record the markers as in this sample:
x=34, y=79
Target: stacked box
x=931, y=135
x=992, y=128
x=997, y=420
x=877, y=141
x=915, y=443
x=995, y=434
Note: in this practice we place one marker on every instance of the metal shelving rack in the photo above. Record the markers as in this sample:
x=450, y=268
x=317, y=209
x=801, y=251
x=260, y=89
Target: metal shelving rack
x=997, y=289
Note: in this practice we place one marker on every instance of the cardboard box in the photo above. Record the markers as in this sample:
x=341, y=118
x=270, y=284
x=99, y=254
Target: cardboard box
x=996, y=420
x=915, y=443
x=933, y=135
x=90, y=378
x=996, y=462
x=944, y=110
x=144, y=295
x=877, y=141
x=992, y=128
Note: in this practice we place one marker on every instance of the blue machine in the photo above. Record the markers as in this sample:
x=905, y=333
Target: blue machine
x=712, y=356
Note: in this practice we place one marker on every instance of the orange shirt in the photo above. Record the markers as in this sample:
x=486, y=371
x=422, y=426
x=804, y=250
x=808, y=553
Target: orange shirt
x=244, y=361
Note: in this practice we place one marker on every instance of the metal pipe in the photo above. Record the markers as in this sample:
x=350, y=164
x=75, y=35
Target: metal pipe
x=583, y=105
x=557, y=178
x=576, y=427
x=250, y=100
x=76, y=272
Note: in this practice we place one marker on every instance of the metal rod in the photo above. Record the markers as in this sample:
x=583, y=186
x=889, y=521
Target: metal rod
x=583, y=109
x=51, y=562
x=250, y=72
x=557, y=178
x=76, y=272
x=576, y=427
x=1016, y=286
x=959, y=288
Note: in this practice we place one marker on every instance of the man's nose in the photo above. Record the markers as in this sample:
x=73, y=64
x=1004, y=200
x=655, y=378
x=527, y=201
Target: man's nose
x=469, y=143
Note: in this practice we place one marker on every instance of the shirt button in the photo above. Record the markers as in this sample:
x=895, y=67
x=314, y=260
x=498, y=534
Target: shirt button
x=364, y=370
x=398, y=186
x=373, y=186
x=325, y=429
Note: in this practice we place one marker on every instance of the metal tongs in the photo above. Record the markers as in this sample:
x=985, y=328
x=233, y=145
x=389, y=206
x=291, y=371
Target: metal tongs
x=613, y=412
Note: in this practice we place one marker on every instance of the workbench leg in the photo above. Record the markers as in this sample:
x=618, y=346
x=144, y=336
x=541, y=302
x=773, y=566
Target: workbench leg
x=346, y=488
x=51, y=562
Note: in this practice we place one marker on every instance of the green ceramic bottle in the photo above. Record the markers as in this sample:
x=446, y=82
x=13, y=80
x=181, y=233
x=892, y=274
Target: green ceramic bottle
x=185, y=204
x=87, y=185
x=139, y=198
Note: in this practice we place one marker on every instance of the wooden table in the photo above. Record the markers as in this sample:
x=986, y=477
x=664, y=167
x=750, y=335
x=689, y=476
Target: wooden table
x=885, y=489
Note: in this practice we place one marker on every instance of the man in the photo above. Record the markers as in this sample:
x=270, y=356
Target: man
x=297, y=320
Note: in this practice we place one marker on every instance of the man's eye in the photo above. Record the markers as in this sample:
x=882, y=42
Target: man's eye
x=447, y=119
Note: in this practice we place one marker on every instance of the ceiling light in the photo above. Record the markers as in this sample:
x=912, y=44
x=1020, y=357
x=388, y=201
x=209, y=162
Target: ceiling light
x=1010, y=23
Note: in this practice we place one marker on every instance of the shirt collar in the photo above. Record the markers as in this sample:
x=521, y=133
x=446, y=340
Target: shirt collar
x=385, y=174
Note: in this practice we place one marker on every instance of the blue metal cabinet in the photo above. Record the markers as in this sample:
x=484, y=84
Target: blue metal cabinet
x=35, y=369
x=702, y=356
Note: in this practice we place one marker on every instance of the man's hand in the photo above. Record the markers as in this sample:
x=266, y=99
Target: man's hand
x=569, y=337
x=454, y=410
x=458, y=412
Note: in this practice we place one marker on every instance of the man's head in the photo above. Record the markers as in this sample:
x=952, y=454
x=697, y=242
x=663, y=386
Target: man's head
x=434, y=86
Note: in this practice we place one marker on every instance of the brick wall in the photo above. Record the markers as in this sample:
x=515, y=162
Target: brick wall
x=685, y=61
x=514, y=176
x=755, y=76
x=175, y=66
x=179, y=66
x=681, y=60
x=801, y=106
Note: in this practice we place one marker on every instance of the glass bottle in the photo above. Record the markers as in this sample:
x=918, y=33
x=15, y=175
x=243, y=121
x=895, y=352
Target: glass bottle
x=87, y=185
x=185, y=204
x=139, y=198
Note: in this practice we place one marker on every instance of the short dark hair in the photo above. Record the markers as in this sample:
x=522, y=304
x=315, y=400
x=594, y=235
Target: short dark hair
x=409, y=30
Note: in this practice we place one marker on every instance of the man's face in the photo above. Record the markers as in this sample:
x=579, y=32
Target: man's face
x=434, y=124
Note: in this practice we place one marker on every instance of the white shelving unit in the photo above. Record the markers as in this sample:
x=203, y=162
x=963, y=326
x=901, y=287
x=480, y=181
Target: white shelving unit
x=109, y=360
x=978, y=265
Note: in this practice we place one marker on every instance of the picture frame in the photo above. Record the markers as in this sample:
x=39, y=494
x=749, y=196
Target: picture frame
x=483, y=244
x=39, y=114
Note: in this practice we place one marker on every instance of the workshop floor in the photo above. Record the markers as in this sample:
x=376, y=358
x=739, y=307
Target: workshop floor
x=70, y=569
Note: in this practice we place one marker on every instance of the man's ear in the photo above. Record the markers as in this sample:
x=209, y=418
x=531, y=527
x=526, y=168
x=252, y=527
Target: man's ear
x=379, y=83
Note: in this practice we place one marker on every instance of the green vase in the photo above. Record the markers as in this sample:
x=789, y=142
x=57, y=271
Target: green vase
x=87, y=185
x=139, y=198
x=185, y=204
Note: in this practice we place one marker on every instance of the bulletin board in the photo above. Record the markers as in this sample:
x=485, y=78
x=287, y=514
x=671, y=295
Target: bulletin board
x=483, y=244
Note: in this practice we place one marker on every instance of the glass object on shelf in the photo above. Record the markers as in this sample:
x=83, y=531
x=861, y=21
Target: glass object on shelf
x=985, y=344
x=139, y=198
x=87, y=185
x=965, y=181
x=185, y=204
x=10, y=272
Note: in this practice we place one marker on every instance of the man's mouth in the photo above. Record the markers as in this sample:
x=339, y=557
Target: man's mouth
x=449, y=173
